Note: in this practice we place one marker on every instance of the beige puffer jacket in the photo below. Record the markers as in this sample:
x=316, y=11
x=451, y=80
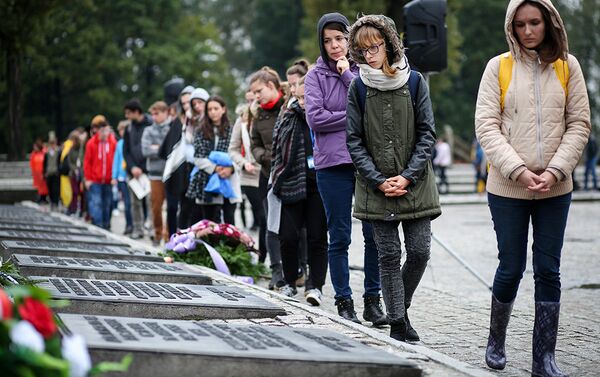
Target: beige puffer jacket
x=540, y=128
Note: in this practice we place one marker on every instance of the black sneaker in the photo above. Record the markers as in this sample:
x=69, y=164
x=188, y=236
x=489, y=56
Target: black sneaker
x=128, y=230
x=345, y=307
x=374, y=312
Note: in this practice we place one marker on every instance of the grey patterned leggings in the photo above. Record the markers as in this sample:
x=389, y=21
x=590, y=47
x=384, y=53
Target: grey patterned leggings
x=398, y=284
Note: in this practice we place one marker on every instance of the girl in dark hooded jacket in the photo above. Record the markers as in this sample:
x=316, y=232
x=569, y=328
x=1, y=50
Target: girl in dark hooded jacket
x=390, y=143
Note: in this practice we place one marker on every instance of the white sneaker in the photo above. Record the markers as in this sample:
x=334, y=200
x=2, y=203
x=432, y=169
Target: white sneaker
x=313, y=296
x=286, y=290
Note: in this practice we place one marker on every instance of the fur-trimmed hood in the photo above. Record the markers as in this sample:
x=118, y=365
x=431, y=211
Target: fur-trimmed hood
x=387, y=27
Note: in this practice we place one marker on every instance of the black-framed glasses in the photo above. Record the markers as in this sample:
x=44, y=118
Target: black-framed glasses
x=371, y=50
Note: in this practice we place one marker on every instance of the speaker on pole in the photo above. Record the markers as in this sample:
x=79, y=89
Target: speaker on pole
x=425, y=35
x=172, y=89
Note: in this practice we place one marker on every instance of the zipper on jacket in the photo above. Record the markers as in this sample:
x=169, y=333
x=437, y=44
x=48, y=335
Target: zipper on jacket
x=538, y=111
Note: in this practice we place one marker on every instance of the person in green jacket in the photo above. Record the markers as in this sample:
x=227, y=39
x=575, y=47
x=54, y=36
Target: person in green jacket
x=390, y=138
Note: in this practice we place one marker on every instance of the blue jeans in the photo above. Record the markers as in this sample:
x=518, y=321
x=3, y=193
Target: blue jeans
x=590, y=168
x=100, y=204
x=511, y=222
x=336, y=186
x=122, y=186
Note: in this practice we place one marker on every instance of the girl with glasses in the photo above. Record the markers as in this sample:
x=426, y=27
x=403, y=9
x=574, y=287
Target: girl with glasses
x=390, y=143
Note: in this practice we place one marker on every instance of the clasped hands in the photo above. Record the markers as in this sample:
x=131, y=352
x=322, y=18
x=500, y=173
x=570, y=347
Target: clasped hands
x=536, y=183
x=394, y=186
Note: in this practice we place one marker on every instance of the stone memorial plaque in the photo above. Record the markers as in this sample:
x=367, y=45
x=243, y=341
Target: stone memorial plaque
x=157, y=300
x=25, y=235
x=108, y=269
x=53, y=222
x=73, y=249
x=193, y=348
x=25, y=215
x=49, y=229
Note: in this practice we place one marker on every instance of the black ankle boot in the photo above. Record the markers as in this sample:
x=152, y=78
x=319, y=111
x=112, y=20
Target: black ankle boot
x=495, y=355
x=398, y=330
x=345, y=307
x=411, y=334
x=545, y=330
x=374, y=312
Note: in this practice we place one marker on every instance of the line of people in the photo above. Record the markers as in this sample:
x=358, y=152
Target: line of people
x=353, y=135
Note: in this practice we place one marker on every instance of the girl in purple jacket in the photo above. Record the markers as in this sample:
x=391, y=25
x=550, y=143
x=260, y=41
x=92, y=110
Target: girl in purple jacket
x=326, y=92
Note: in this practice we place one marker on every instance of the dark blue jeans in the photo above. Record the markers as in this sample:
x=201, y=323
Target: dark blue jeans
x=100, y=204
x=511, y=222
x=336, y=186
x=122, y=186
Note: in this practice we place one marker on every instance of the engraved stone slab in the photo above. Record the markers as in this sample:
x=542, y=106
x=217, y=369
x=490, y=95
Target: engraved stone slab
x=193, y=348
x=49, y=229
x=157, y=300
x=25, y=235
x=73, y=249
x=25, y=215
x=108, y=269
x=54, y=222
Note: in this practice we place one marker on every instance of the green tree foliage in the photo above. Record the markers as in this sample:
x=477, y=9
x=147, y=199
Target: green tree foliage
x=93, y=55
x=20, y=29
x=480, y=25
x=582, y=19
x=314, y=9
x=274, y=33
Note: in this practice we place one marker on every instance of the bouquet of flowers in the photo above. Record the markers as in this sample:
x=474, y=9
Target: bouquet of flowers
x=220, y=246
x=31, y=345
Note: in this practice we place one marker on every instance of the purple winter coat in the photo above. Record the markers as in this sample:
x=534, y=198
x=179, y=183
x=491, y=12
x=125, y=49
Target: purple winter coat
x=326, y=97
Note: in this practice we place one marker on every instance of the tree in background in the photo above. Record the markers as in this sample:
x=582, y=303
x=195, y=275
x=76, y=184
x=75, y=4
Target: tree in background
x=92, y=56
x=22, y=22
x=274, y=33
x=77, y=59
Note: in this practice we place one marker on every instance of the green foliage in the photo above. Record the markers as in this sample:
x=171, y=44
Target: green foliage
x=109, y=366
x=314, y=9
x=93, y=56
x=274, y=33
x=9, y=273
x=238, y=259
x=480, y=25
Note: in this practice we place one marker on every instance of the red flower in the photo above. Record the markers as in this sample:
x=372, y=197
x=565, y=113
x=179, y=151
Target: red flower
x=39, y=316
x=5, y=306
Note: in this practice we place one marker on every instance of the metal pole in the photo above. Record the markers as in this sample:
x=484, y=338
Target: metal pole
x=461, y=261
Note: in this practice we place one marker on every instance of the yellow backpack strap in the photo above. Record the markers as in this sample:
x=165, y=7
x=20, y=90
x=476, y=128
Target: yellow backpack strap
x=561, y=68
x=504, y=75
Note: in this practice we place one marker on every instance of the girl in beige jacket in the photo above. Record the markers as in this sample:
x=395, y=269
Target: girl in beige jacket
x=533, y=133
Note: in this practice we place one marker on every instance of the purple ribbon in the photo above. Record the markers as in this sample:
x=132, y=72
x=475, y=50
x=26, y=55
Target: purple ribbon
x=218, y=260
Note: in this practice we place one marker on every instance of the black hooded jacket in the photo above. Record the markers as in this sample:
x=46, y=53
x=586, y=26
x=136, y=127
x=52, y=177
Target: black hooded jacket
x=132, y=144
x=329, y=18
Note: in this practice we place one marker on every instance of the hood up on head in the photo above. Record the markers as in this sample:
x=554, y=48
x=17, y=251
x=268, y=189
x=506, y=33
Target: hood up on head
x=387, y=28
x=326, y=19
x=515, y=48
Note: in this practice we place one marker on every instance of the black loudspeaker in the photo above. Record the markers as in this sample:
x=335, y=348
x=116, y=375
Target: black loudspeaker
x=172, y=89
x=425, y=35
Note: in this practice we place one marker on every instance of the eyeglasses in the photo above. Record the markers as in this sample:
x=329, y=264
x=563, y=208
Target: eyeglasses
x=371, y=50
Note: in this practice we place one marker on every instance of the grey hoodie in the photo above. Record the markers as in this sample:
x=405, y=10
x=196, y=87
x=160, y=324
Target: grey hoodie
x=154, y=135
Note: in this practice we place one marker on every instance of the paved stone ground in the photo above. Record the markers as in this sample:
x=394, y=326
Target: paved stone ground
x=451, y=307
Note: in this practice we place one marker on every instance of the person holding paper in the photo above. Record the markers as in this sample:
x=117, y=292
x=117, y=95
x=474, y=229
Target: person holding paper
x=135, y=160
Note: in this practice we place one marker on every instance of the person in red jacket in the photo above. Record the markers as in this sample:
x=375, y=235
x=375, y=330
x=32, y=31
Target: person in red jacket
x=97, y=168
